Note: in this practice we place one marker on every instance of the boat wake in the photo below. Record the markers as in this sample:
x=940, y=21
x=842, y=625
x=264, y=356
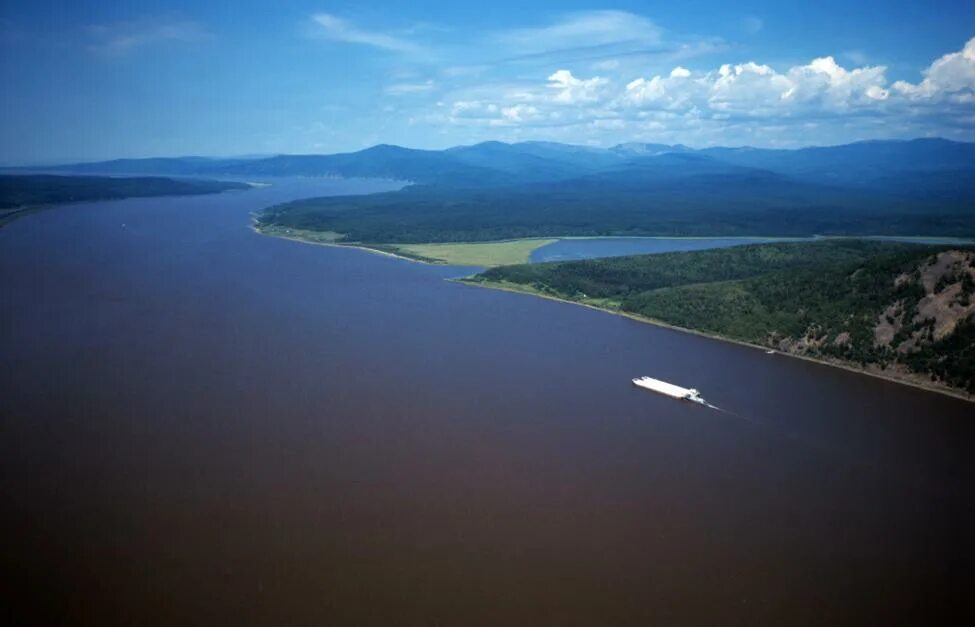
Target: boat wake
x=727, y=411
x=813, y=445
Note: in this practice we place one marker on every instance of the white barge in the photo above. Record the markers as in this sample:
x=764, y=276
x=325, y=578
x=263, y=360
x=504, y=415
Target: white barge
x=669, y=389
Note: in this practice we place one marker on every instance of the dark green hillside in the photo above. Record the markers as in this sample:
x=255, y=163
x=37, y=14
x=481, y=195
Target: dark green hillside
x=21, y=191
x=533, y=160
x=896, y=308
x=667, y=201
x=618, y=277
x=36, y=189
x=867, y=163
x=497, y=191
x=169, y=166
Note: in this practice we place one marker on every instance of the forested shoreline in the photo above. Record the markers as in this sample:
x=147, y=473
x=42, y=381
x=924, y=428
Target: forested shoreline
x=20, y=191
x=903, y=310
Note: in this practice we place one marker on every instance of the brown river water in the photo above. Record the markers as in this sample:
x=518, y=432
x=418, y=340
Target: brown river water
x=200, y=425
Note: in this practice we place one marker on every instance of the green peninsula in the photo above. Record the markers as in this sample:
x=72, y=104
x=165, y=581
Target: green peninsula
x=485, y=254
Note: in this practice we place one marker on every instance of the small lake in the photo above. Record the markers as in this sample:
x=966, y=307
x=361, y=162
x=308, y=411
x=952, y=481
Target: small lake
x=591, y=248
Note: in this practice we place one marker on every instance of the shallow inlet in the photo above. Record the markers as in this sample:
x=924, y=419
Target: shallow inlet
x=592, y=248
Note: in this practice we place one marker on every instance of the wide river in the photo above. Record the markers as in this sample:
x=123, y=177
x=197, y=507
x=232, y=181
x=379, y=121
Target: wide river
x=200, y=425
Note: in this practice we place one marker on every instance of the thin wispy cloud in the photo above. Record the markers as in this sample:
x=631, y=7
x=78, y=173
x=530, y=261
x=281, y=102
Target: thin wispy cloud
x=857, y=56
x=403, y=89
x=752, y=24
x=455, y=71
x=586, y=35
x=587, y=29
x=342, y=30
x=610, y=39
x=121, y=38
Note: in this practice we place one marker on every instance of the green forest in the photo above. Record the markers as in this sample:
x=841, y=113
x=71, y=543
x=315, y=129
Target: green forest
x=43, y=189
x=704, y=205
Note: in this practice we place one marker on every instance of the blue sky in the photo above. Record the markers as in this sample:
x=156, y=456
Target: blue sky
x=93, y=80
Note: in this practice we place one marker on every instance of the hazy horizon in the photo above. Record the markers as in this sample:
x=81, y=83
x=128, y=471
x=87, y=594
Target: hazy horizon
x=253, y=156
x=99, y=81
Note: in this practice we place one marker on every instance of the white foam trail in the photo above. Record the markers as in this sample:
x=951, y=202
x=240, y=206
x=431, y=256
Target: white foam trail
x=706, y=404
x=736, y=415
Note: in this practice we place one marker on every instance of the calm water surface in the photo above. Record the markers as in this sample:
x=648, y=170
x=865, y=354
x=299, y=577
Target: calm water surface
x=591, y=248
x=200, y=425
x=594, y=247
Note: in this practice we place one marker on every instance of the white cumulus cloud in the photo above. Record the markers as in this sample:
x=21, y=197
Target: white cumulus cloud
x=951, y=77
x=735, y=103
x=571, y=90
x=825, y=82
x=757, y=89
x=519, y=113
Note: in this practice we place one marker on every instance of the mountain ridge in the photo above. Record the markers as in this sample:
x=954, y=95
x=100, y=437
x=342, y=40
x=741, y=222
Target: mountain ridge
x=497, y=190
x=495, y=163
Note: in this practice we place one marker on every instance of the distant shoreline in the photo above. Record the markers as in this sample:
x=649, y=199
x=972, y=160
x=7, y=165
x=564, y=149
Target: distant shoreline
x=906, y=380
x=71, y=189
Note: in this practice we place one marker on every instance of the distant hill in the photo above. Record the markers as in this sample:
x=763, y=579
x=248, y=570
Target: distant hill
x=495, y=190
x=901, y=310
x=534, y=161
x=870, y=163
x=173, y=166
x=21, y=192
x=383, y=161
x=666, y=195
x=491, y=164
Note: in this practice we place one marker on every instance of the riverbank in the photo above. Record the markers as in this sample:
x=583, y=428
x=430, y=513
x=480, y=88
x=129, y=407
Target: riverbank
x=902, y=377
x=495, y=253
x=482, y=254
x=10, y=214
x=324, y=238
